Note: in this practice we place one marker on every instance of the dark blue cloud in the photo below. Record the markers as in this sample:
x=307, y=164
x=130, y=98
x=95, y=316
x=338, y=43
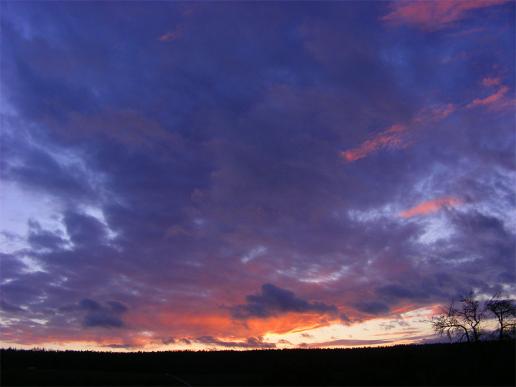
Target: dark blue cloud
x=41, y=238
x=273, y=300
x=102, y=320
x=372, y=307
x=103, y=316
x=84, y=230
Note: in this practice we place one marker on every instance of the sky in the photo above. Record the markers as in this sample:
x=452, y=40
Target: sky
x=241, y=175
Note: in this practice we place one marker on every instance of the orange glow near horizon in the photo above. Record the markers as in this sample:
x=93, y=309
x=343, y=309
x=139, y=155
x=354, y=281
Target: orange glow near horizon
x=370, y=332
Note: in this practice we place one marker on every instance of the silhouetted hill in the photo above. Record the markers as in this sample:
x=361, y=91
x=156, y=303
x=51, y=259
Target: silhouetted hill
x=486, y=363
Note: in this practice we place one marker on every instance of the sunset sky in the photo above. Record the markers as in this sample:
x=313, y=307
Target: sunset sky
x=214, y=175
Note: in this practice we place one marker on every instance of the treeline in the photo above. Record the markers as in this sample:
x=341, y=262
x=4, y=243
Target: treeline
x=484, y=363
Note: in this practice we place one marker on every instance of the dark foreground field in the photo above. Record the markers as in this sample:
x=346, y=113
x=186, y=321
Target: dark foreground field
x=488, y=363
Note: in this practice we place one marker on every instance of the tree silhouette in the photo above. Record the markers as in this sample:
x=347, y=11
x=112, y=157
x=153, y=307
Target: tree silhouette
x=505, y=312
x=463, y=321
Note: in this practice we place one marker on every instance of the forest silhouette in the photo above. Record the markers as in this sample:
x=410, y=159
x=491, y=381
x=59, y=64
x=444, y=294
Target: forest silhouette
x=488, y=363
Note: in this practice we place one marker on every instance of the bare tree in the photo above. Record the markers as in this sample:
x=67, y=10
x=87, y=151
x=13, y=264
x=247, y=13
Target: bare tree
x=472, y=313
x=451, y=326
x=505, y=312
x=463, y=321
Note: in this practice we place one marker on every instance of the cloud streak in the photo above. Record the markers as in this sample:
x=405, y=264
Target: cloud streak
x=435, y=15
x=431, y=206
x=391, y=138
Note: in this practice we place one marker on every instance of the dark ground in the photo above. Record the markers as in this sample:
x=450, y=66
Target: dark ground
x=487, y=363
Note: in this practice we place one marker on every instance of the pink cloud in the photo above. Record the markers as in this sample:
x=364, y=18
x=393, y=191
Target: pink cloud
x=172, y=35
x=491, y=81
x=392, y=137
x=396, y=137
x=435, y=113
x=431, y=206
x=434, y=15
x=496, y=99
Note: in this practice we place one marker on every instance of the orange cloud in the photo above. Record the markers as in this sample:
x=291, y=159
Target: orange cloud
x=392, y=137
x=434, y=15
x=431, y=206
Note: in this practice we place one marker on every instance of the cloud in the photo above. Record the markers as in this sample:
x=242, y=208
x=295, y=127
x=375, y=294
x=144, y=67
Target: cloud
x=26, y=164
x=89, y=305
x=84, y=230
x=431, y=206
x=372, y=307
x=103, y=316
x=128, y=127
x=273, y=300
x=120, y=346
x=400, y=292
x=435, y=113
x=172, y=35
x=6, y=307
x=44, y=239
x=391, y=138
x=103, y=320
x=434, y=15
x=398, y=136
x=168, y=340
x=491, y=81
x=253, y=253
x=496, y=100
